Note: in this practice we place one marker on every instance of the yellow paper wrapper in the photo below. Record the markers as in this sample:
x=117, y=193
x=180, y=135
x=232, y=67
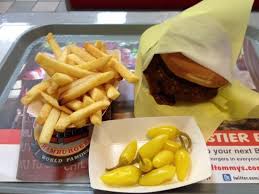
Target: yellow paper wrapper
x=200, y=32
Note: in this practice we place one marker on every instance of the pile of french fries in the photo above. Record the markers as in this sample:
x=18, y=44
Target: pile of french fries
x=81, y=83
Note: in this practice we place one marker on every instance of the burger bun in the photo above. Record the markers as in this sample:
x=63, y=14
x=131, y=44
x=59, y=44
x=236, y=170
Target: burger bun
x=187, y=69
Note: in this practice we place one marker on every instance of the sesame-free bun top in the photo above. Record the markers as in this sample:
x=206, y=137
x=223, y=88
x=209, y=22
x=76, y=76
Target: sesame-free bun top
x=188, y=69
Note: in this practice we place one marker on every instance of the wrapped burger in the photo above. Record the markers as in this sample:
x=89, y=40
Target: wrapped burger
x=186, y=65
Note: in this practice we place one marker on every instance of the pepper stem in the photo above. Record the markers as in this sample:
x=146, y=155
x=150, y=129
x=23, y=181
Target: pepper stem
x=117, y=166
x=123, y=164
x=189, y=141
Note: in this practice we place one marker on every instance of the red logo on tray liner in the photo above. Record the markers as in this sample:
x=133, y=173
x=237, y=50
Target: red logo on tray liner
x=234, y=138
x=10, y=136
x=64, y=148
x=65, y=151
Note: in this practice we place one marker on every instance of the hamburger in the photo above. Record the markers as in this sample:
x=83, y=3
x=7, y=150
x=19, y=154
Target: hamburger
x=173, y=77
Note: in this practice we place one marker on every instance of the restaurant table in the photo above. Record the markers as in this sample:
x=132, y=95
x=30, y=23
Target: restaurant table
x=12, y=26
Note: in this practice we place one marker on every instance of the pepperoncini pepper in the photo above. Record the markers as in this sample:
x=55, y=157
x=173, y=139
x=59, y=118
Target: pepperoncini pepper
x=172, y=146
x=163, y=158
x=122, y=176
x=182, y=163
x=161, y=152
x=183, y=160
x=151, y=148
x=170, y=131
x=128, y=155
x=158, y=176
x=145, y=164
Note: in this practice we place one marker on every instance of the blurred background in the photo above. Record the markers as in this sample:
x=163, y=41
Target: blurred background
x=9, y=6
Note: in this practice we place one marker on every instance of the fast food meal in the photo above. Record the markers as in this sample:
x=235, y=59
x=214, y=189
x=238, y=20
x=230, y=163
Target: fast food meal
x=179, y=78
x=79, y=87
x=165, y=156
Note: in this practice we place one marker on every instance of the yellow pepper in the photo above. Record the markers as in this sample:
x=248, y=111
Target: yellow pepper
x=172, y=145
x=171, y=131
x=163, y=158
x=158, y=176
x=145, y=165
x=122, y=176
x=151, y=148
x=128, y=155
x=182, y=163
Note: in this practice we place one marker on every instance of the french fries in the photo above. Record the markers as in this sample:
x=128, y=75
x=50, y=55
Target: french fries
x=51, y=100
x=98, y=94
x=96, y=118
x=50, y=72
x=63, y=56
x=108, y=68
x=121, y=69
x=47, y=62
x=80, y=52
x=52, y=88
x=80, y=124
x=49, y=126
x=59, y=125
x=84, y=113
x=69, y=61
x=73, y=84
x=76, y=59
x=87, y=111
x=87, y=100
x=111, y=91
x=74, y=104
x=62, y=79
x=116, y=54
x=101, y=46
x=97, y=53
x=124, y=72
x=96, y=64
x=81, y=82
x=43, y=115
x=34, y=92
x=54, y=45
x=80, y=89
